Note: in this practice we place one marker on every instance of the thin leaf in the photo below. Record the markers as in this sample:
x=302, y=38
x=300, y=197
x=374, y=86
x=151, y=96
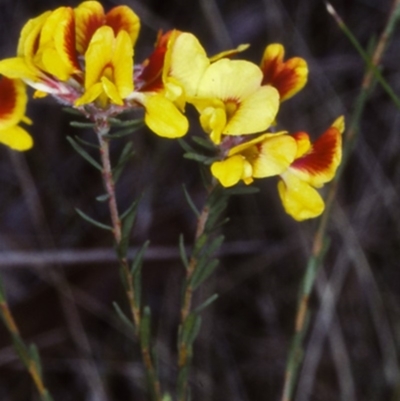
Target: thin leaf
x=199, y=244
x=86, y=143
x=205, y=143
x=185, y=146
x=200, y=158
x=190, y=202
x=145, y=328
x=182, y=251
x=241, y=190
x=78, y=124
x=127, y=221
x=214, y=245
x=191, y=329
x=71, y=110
x=123, y=317
x=206, y=303
x=126, y=155
x=202, y=275
x=127, y=123
x=138, y=259
x=103, y=198
x=83, y=153
x=2, y=291
x=122, y=132
x=92, y=221
x=34, y=354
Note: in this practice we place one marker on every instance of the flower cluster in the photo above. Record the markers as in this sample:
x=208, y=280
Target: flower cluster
x=84, y=57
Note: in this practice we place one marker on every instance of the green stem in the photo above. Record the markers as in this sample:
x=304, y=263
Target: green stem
x=320, y=238
x=22, y=351
x=102, y=129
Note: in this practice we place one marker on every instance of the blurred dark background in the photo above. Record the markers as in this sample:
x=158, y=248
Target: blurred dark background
x=61, y=275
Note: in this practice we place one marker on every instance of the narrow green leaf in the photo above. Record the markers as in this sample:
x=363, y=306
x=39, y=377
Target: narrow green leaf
x=92, y=221
x=242, y=190
x=206, y=303
x=86, y=143
x=182, y=251
x=199, y=244
x=21, y=349
x=190, y=202
x=78, y=124
x=137, y=286
x=185, y=146
x=83, y=153
x=123, y=132
x=2, y=291
x=202, y=275
x=183, y=379
x=115, y=122
x=138, y=259
x=103, y=198
x=215, y=214
x=123, y=317
x=127, y=221
x=191, y=329
x=200, y=158
x=145, y=328
x=205, y=143
x=214, y=245
x=72, y=111
x=34, y=354
x=126, y=155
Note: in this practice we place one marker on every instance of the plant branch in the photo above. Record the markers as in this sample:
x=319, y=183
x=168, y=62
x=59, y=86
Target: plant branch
x=320, y=239
x=102, y=129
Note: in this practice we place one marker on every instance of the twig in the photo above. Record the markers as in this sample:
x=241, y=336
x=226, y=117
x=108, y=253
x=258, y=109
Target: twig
x=102, y=128
x=320, y=240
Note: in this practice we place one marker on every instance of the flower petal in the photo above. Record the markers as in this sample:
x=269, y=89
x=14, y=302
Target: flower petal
x=16, y=138
x=288, y=77
x=122, y=61
x=185, y=61
x=221, y=80
x=275, y=155
x=98, y=55
x=111, y=91
x=90, y=95
x=229, y=171
x=319, y=165
x=300, y=200
x=17, y=67
x=164, y=118
x=13, y=101
x=255, y=113
x=89, y=16
x=56, y=53
x=30, y=34
x=122, y=18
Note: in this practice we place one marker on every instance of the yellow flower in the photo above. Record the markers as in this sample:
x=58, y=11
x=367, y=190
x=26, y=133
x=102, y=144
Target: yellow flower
x=109, y=68
x=287, y=77
x=59, y=52
x=12, y=111
x=265, y=156
x=232, y=101
x=314, y=165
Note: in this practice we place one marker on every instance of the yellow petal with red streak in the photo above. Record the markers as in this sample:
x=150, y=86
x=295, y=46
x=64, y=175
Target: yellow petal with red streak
x=13, y=101
x=122, y=18
x=17, y=67
x=89, y=16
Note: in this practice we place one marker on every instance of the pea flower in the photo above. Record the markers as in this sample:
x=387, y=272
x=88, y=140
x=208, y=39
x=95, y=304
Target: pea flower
x=314, y=165
x=13, y=101
x=265, y=156
x=232, y=101
x=288, y=77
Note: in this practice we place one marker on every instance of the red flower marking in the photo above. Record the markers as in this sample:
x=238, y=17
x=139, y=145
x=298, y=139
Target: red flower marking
x=321, y=155
x=92, y=23
x=150, y=77
x=280, y=75
x=8, y=97
x=69, y=44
